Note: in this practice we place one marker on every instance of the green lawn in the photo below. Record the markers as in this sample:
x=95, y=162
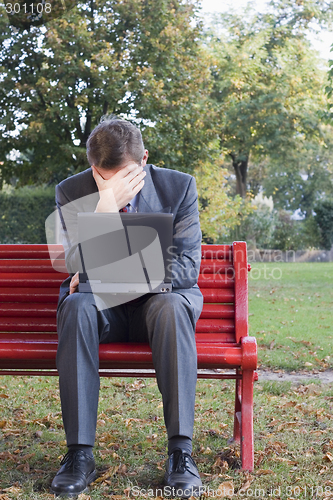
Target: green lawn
x=291, y=314
x=293, y=426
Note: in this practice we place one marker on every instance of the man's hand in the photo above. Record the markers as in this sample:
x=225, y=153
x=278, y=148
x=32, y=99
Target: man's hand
x=74, y=283
x=116, y=191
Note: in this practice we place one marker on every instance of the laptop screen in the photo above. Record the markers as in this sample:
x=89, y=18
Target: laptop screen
x=126, y=248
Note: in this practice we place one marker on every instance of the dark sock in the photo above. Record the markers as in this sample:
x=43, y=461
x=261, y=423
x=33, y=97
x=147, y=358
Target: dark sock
x=182, y=442
x=84, y=447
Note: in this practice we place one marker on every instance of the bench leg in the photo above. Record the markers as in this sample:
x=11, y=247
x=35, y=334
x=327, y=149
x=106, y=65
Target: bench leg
x=247, y=448
x=237, y=414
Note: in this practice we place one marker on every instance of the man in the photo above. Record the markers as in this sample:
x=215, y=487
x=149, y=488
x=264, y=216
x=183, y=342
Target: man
x=119, y=176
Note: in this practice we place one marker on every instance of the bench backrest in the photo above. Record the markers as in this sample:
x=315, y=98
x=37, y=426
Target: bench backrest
x=30, y=287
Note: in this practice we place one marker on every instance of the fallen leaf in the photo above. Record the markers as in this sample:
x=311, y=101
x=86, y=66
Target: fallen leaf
x=122, y=469
x=289, y=404
x=328, y=457
x=226, y=489
x=246, y=485
x=287, y=425
x=221, y=465
x=24, y=467
x=285, y=460
x=13, y=489
x=110, y=472
x=263, y=472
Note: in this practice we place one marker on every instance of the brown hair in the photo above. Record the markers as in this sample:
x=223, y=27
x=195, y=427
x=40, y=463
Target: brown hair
x=114, y=141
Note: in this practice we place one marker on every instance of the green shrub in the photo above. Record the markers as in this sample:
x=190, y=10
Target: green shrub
x=23, y=212
x=324, y=219
x=257, y=228
x=265, y=228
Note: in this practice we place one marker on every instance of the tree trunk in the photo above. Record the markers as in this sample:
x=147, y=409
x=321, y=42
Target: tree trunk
x=240, y=167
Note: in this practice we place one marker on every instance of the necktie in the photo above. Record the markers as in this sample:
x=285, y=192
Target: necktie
x=125, y=209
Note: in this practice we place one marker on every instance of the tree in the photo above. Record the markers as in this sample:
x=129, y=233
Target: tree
x=329, y=89
x=139, y=59
x=267, y=85
x=324, y=219
x=299, y=178
x=219, y=212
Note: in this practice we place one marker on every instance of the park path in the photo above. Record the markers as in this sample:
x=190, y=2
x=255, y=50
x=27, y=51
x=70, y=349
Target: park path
x=325, y=376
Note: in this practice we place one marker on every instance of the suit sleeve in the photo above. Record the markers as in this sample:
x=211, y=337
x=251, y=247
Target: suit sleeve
x=69, y=231
x=187, y=241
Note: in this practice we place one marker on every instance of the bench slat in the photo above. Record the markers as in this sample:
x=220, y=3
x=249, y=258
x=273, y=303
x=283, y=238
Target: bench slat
x=27, y=251
x=208, y=266
x=7, y=294
x=217, y=295
x=42, y=251
x=34, y=280
x=54, y=279
x=29, y=295
x=217, y=252
x=31, y=266
x=42, y=355
x=217, y=311
x=215, y=281
x=28, y=310
x=47, y=324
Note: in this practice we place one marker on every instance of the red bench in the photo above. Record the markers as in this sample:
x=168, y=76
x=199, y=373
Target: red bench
x=28, y=339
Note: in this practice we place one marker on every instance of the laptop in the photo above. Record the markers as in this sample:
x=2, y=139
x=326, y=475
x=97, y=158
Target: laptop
x=125, y=253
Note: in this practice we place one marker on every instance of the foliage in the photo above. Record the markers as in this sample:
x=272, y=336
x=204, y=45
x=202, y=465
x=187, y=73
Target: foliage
x=219, y=212
x=324, y=219
x=309, y=235
x=299, y=178
x=329, y=89
x=285, y=235
x=268, y=88
x=275, y=229
x=23, y=213
x=258, y=227
x=137, y=59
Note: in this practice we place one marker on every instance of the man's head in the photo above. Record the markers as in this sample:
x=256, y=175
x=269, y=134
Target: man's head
x=113, y=143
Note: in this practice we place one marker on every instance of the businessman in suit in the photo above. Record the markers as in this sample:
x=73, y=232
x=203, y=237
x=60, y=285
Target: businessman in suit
x=120, y=177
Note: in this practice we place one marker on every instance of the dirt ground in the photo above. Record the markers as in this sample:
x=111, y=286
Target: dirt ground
x=325, y=376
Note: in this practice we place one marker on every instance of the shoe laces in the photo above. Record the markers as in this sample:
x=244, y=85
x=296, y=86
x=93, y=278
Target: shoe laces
x=70, y=458
x=184, y=459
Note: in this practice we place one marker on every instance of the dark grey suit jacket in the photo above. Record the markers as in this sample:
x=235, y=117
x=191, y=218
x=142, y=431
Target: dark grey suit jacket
x=164, y=190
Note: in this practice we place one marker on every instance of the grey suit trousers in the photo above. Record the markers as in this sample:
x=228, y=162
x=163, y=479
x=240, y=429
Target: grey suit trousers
x=167, y=322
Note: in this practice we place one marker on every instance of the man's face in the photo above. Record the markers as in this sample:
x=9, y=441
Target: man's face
x=107, y=174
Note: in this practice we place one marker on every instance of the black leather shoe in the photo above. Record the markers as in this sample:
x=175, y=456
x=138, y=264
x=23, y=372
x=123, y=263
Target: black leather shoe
x=77, y=471
x=182, y=477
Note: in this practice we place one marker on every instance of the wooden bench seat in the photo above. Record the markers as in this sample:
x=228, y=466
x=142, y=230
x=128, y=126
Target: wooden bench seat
x=28, y=340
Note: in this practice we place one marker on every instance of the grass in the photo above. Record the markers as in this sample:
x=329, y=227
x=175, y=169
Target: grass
x=291, y=314
x=293, y=446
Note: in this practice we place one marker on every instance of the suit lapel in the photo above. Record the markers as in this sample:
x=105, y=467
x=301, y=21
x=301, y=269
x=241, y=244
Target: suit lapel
x=148, y=198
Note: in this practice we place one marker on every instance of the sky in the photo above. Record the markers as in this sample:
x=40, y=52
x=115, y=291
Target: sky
x=321, y=42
